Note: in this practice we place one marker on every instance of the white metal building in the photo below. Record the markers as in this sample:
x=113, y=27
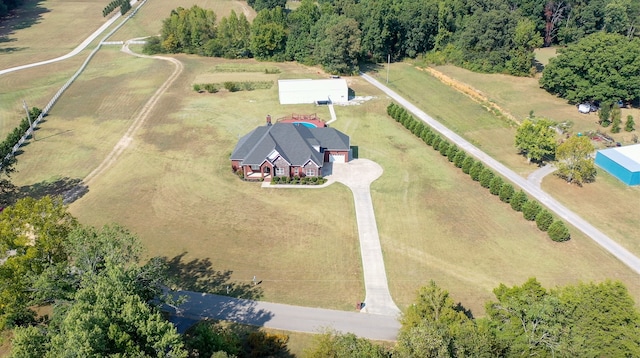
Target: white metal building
x=334, y=90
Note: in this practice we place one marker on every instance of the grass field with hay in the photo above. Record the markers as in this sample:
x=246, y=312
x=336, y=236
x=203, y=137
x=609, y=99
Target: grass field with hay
x=173, y=185
x=174, y=188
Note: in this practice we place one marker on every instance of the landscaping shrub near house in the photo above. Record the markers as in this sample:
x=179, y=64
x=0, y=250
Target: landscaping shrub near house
x=531, y=209
x=298, y=180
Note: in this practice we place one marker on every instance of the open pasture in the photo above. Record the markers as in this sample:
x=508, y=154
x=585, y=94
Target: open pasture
x=607, y=203
x=436, y=223
x=174, y=188
x=42, y=30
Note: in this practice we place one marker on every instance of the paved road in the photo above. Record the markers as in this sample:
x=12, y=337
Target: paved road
x=279, y=316
x=75, y=51
x=536, y=177
x=563, y=212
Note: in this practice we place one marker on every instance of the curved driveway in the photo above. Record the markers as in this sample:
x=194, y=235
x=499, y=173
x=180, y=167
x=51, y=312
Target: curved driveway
x=358, y=175
x=569, y=216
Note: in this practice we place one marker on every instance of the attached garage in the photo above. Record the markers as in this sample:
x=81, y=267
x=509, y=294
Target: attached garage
x=337, y=158
x=334, y=90
x=621, y=162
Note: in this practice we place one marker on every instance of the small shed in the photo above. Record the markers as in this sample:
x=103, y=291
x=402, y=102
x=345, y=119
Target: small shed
x=621, y=162
x=333, y=90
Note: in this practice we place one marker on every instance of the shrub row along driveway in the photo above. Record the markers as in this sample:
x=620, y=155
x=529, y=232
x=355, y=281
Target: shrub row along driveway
x=530, y=188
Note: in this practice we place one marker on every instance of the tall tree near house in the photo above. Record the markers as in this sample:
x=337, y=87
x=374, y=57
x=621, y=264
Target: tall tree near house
x=269, y=35
x=338, y=50
x=575, y=163
x=536, y=140
x=300, y=42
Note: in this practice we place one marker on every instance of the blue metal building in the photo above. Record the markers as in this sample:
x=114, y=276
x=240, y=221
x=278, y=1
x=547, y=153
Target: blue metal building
x=621, y=162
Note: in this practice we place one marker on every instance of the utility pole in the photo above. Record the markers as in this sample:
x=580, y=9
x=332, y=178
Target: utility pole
x=388, y=65
x=26, y=109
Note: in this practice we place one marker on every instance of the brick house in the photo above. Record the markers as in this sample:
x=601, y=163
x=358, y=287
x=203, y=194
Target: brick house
x=288, y=149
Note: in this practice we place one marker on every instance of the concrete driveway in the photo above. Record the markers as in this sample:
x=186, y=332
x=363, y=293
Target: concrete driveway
x=358, y=175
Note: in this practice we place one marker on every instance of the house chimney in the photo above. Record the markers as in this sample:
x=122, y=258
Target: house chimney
x=268, y=119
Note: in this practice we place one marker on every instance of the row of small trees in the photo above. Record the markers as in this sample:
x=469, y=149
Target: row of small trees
x=6, y=147
x=232, y=86
x=531, y=209
x=124, y=6
x=611, y=115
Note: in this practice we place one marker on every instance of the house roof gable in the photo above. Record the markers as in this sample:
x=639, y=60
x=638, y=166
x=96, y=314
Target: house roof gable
x=294, y=143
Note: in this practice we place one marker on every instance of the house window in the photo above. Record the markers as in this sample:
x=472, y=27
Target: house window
x=255, y=167
x=279, y=171
x=296, y=171
x=310, y=172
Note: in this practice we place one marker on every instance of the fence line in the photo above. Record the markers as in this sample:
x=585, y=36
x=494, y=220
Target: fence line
x=64, y=87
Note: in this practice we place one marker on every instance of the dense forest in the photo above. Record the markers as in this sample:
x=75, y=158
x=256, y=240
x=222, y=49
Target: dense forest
x=8, y=5
x=484, y=35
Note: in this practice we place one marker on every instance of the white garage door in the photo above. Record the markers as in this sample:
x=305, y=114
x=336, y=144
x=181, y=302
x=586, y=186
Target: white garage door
x=336, y=158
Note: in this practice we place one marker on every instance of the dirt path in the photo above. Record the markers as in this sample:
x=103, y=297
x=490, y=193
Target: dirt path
x=139, y=120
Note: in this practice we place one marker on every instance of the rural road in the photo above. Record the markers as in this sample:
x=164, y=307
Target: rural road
x=530, y=188
x=280, y=316
x=75, y=51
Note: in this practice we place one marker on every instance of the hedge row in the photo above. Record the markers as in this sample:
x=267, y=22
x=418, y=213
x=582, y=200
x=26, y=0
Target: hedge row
x=232, y=86
x=296, y=180
x=124, y=6
x=6, y=147
x=531, y=209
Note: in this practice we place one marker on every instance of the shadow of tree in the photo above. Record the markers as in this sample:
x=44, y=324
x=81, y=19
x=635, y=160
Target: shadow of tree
x=199, y=275
x=29, y=14
x=371, y=67
x=209, y=336
x=70, y=190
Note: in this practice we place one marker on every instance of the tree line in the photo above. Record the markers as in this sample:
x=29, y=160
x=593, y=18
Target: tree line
x=580, y=320
x=8, y=5
x=340, y=35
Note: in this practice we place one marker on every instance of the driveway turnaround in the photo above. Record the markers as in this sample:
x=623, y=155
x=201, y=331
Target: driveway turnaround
x=536, y=177
x=358, y=174
x=275, y=315
x=563, y=212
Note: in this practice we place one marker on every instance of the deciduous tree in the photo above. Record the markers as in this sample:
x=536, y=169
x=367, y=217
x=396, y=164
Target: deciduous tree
x=536, y=140
x=575, y=161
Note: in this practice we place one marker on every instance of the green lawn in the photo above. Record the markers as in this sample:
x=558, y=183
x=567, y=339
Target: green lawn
x=519, y=96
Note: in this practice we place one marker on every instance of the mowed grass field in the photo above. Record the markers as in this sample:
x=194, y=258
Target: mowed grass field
x=436, y=223
x=458, y=112
x=173, y=187
x=42, y=30
x=608, y=204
